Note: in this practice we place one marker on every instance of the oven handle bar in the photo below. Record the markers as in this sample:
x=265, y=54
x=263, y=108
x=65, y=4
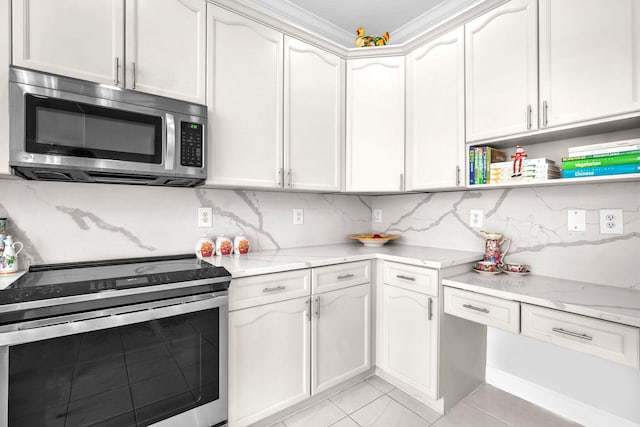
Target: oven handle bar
x=37, y=330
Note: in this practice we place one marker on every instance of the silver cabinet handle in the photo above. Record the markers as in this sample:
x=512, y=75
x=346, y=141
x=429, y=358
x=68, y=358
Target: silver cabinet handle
x=430, y=309
x=529, y=113
x=116, y=80
x=545, y=114
x=317, y=307
x=573, y=334
x=473, y=307
x=279, y=174
x=400, y=276
x=457, y=176
x=401, y=182
x=289, y=178
x=133, y=73
x=275, y=288
x=346, y=276
x=307, y=311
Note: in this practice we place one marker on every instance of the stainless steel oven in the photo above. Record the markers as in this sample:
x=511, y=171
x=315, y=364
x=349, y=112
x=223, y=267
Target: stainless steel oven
x=125, y=343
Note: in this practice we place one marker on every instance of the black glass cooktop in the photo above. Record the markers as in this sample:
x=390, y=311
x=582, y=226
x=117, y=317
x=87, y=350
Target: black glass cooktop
x=60, y=280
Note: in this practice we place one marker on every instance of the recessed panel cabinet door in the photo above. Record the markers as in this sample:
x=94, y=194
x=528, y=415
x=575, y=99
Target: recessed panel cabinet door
x=410, y=338
x=341, y=334
x=313, y=105
x=501, y=54
x=375, y=124
x=244, y=92
x=74, y=38
x=435, y=113
x=166, y=48
x=589, y=59
x=268, y=359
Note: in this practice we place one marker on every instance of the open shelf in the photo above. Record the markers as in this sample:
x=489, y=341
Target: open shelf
x=561, y=181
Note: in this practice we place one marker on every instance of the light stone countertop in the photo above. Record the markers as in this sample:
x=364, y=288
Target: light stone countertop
x=274, y=261
x=621, y=305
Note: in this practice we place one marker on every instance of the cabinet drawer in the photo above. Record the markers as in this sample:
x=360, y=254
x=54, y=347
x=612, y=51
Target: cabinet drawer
x=333, y=277
x=496, y=312
x=618, y=343
x=267, y=288
x=410, y=277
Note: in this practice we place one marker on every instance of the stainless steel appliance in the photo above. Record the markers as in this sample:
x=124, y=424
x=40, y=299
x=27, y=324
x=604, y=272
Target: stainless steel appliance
x=72, y=130
x=132, y=342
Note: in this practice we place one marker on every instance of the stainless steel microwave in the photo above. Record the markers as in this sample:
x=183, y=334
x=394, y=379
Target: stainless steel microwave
x=65, y=129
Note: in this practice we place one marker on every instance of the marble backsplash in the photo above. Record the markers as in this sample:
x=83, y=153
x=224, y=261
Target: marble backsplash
x=66, y=222
x=62, y=222
x=535, y=219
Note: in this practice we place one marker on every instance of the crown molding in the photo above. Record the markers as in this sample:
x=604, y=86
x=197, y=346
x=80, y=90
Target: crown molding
x=299, y=23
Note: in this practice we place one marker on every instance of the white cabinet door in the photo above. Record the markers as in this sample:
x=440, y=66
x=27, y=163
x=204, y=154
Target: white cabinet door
x=244, y=92
x=75, y=38
x=435, y=113
x=313, y=117
x=166, y=48
x=410, y=338
x=589, y=59
x=341, y=336
x=5, y=55
x=501, y=53
x=375, y=124
x=268, y=359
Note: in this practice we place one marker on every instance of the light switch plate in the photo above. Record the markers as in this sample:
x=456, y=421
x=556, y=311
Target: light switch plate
x=377, y=215
x=476, y=218
x=205, y=217
x=576, y=220
x=611, y=221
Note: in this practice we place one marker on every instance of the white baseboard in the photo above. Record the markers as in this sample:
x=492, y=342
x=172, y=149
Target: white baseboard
x=553, y=401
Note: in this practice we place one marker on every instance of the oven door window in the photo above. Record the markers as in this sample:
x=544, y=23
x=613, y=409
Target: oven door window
x=61, y=127
x=132, y=375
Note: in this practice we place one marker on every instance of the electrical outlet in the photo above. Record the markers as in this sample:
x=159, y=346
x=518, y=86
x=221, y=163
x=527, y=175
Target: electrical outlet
x=611, y=221
x=298, y=216
x=205, y=217
x=476, y=218
x=377, y=215
x=576, y=220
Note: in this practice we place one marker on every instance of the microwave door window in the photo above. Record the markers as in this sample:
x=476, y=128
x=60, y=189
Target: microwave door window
x=60, y=127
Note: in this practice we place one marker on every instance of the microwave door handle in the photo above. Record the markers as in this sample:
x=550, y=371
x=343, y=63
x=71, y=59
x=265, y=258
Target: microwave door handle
x=171, y=142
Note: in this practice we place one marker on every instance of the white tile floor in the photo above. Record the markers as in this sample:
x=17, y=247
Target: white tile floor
x=376, y=403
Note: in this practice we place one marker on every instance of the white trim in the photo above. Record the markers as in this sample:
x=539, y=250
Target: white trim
x=553, y=401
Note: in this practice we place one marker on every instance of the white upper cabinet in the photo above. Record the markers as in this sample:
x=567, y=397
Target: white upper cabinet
x=501, y=53
x=165, y=43
x=245, y=87
x=166, y=48
x=589, y=59
x=375, y=124
x=75, y=38
x=435, y=114
x=313, y=117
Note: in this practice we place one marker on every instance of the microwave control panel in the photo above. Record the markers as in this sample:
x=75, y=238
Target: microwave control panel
x=191, y=144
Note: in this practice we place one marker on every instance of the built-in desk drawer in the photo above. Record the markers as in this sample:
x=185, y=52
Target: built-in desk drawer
x=613, y=341
x=267, y=288
x=339, y=276
x=490, y=311
x=412, y=278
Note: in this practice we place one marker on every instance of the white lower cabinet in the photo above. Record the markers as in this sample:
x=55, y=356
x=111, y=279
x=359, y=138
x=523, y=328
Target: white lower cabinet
x=340, y=338
x=269, y=359
x=283, y=351
x=409, y=338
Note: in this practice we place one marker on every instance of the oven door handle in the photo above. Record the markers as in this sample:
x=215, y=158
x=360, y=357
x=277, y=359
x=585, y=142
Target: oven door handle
x=85, y=322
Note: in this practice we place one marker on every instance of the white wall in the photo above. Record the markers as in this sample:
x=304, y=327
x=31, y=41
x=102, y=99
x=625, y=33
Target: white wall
x=536, y=220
